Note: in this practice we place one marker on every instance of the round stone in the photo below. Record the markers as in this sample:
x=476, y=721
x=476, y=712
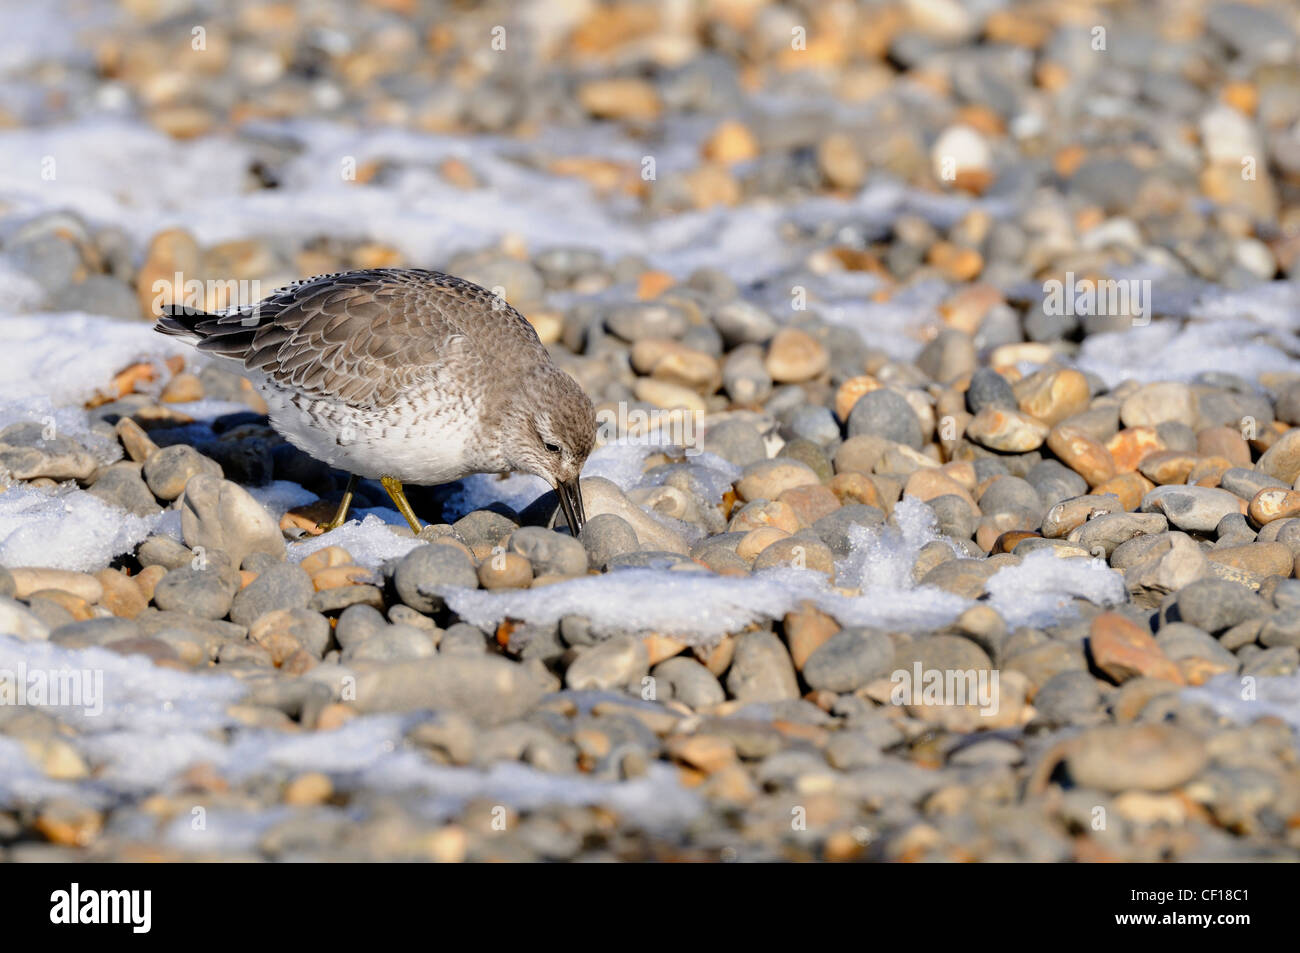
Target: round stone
x=505, y=571
x=606, y=536
x=687, y=681
x=1053, y=396
x=218, y=514
x=951, y=355
x=761, y=670
x=206, y=593
x=736, y=441
x=167, y=471
x=849, y=660
x=1008, y=431
x=427, y=572
x=794, y=356
x=549, y=552
x=1143, y=757
x=886, y=413
x=608, y=665
x=988, y=388
x=283, y=586
x=768, y=479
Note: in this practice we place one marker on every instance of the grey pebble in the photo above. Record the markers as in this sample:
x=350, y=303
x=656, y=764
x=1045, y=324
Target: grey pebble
x=483, y=528
x=340, y=597
x=988, y=388
x=90, y=632
x=646, y=319
x=167, y=471
x=218, y=514
x=206, y=593
x=463, y=639
x=609, y=665
x=761, y=670
x=488, y=689
x=122, y=486
x=838, y=529
x=283, y=586
x=687, y=681
x=606, y=536
x=1069, y=697
x=426, y=572
x=736, y=441
x=1216, y=605
x=392, y=643
x=549, y=551
x=745, y=377
x=849, y=659
x=743, y=323
x=1179, y=640
x=164, y=551
x=884, y=413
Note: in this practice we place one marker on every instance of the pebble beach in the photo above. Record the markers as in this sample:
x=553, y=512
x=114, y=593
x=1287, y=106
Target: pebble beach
x=946, y=497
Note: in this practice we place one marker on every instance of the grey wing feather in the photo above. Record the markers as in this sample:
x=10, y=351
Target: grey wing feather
x=362, y=337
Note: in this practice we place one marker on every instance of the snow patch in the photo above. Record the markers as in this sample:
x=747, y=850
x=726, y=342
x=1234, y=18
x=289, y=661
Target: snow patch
x=1039, y=590
x=370, y=541
x=1273, y=696
x=700, y=607
x=150, y=724
x=66, y=357
x=65, y=528
x=1248, y=332
x=697, y=607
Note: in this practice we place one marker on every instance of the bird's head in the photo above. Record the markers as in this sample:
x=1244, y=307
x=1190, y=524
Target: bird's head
x=556, y=429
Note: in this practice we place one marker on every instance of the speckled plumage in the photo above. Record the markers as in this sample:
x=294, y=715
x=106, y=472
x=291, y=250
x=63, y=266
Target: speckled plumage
x=403, y=373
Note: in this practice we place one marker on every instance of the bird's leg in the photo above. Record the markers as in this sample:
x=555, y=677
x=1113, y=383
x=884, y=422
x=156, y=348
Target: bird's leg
x=394, y=488
x=341, y=514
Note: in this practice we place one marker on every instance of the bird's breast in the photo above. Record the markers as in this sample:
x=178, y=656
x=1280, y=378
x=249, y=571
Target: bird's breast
x=424, y=438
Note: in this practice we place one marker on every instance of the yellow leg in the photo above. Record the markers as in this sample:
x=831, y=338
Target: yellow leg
x=394, y=488
x=341, y=514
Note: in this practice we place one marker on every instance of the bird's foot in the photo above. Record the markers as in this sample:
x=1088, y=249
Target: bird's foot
x=394, y=488
x=341, y=514
x=333, y=524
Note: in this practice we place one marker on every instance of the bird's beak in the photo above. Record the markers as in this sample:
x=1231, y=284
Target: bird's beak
x=570, y=495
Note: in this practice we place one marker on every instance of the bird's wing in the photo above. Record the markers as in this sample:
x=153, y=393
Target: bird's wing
x=366, y=337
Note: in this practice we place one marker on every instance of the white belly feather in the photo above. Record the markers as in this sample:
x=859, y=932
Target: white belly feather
x=418, y=439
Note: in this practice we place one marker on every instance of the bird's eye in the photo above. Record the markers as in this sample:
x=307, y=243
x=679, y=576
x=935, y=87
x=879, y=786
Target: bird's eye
x=552, y=448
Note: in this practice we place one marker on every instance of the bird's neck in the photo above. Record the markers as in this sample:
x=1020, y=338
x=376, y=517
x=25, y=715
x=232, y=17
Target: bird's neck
x=490, y=447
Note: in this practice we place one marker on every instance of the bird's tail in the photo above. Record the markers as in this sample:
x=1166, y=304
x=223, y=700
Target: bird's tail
x=227, y=334
x=182, y=322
